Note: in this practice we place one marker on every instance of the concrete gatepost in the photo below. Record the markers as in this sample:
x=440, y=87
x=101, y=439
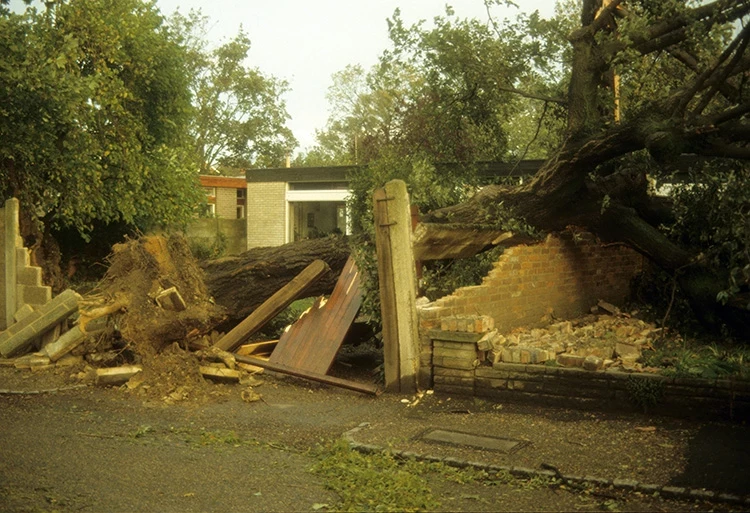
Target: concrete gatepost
x=10, y=242
x=398, y=286
x=21, y=284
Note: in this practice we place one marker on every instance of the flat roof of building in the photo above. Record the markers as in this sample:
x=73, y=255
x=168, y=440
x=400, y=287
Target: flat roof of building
x=341, y=173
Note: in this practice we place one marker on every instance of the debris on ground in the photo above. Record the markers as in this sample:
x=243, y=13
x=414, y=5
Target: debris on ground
x=149, y=325
x=604, y=339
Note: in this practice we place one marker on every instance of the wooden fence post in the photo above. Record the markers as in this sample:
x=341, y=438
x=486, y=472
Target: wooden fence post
x=397, y=286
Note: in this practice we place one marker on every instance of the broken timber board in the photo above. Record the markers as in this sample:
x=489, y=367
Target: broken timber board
x=311, y=343
x=273, y=306
x=255, y=348
x=312, y=376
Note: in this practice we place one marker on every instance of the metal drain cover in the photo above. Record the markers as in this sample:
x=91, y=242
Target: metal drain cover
x=492, y=443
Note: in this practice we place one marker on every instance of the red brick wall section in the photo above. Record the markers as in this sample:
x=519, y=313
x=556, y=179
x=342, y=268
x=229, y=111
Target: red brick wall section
x=565, y=275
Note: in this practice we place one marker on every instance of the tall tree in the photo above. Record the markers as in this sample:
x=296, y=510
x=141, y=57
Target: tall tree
x=241, y=115
x=95, y=104
x=598, y=177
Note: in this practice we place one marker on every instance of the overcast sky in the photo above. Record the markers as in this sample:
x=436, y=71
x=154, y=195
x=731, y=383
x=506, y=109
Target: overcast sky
x=305, y=41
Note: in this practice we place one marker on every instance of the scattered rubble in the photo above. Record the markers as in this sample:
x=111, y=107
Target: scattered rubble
x=603, y=339
x=149, y=326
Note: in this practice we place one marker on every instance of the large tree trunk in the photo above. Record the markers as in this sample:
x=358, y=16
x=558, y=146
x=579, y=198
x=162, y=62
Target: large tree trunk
x=561, y=195
x=242, y=283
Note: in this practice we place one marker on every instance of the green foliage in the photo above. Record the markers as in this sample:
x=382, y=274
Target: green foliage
x=274, y=328
x=209, y=251
x=374, y=482
x=380, y=482
x=712, y=214
x=692, y=358
x=94, y=108
x=645, y=393
x=441, y=278
x=240, y=118
x=446, y=92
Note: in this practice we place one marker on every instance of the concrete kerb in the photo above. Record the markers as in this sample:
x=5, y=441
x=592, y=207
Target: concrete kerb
x=625, y=485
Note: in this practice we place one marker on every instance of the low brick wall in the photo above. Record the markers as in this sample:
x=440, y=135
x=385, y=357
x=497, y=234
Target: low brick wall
x=461, y=367
x=564, y=275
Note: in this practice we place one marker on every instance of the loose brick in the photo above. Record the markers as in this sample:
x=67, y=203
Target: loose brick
x=570, y=360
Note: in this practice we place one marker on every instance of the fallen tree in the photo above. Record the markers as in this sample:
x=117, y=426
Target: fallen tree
x=242, y=283
x=595, y=181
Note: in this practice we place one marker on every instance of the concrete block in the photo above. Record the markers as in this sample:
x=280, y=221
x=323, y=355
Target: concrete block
x=593, y=363
x=65, y=343
x=23, y=258
x=469, y=354
x=31, y=275
x=539, y=355
x=507, y=354
x=33, y=294
x=50, y=336
x=116, y=375
x=17, y=339
x=486, y=342
x=18, y=326
x=23, y=312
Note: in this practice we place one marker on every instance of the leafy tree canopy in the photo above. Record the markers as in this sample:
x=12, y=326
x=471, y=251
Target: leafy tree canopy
x=616, y=94
x=240, y=119
x=95, y=106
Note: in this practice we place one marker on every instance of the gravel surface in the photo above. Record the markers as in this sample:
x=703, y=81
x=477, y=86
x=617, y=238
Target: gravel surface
x=94, y=449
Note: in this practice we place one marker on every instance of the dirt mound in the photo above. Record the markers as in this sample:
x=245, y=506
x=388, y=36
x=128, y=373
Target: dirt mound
x=140, y=270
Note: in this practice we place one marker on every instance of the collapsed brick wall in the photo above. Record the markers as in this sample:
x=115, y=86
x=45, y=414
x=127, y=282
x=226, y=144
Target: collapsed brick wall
x=563, y=276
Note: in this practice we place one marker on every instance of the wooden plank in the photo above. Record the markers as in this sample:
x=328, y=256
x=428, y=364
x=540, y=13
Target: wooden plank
x=116, y=375
x=320, y=378
x=387, y=292
x=312, y=342
x=257, y=347
x=273, y=305
x=398, y=286
x=220, y=375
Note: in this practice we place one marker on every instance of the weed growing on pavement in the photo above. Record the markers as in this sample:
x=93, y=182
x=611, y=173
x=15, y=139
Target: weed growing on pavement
x=373, y=482
x=645, y=393
x=141, y=431
x=383, y=482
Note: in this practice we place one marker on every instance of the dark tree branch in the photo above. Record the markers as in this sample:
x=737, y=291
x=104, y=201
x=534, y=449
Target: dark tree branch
x=723, y=150
x=726, y=115
x=721, y=75
x=605, y=16
x=533, y=96
x=714, y=71
x=716, y=12
x=730, y=92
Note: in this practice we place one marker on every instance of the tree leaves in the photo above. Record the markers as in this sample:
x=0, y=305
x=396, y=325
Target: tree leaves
x=95, y=97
